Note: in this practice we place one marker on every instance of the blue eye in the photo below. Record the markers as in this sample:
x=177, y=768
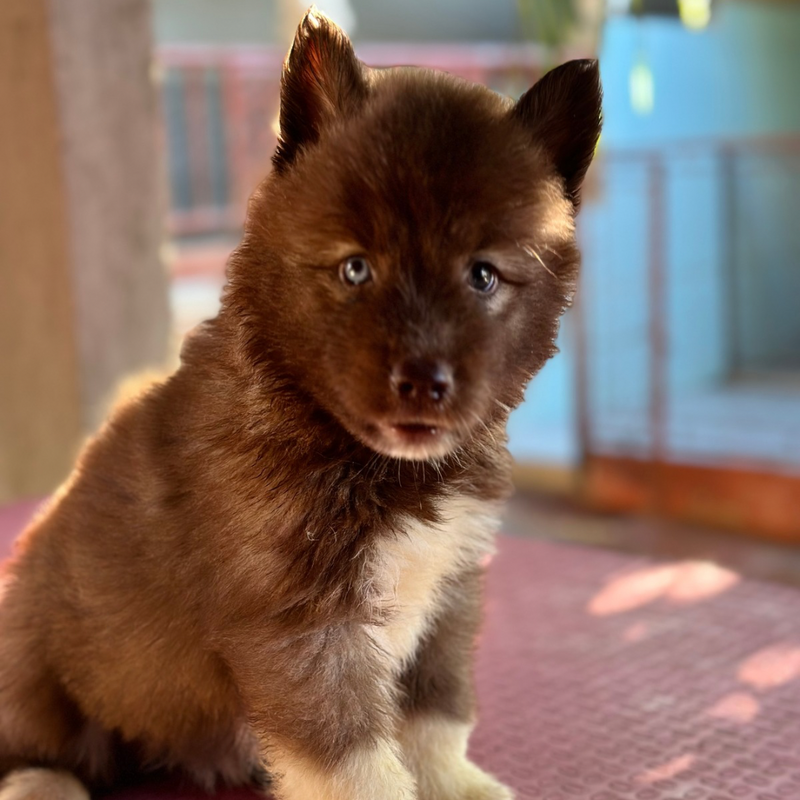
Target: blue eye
x=483, y=277
x=355, y=271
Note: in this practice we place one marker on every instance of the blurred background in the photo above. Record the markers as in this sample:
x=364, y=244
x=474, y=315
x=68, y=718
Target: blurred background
x=132, y=132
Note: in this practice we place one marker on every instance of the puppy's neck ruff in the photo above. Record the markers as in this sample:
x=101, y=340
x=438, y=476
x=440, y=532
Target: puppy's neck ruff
x=411, y=568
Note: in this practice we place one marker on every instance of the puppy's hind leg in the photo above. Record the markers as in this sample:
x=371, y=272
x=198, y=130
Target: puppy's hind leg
x=47, y=746
x=39, y=725
x=42, y=784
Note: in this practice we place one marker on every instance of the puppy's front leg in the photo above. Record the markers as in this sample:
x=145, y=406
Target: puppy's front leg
x=324, y=708
x=371, y=771
x=439, y=704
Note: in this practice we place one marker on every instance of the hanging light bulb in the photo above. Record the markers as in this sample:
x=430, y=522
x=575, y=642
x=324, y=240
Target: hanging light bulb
x=641, y=87
x=695, y=14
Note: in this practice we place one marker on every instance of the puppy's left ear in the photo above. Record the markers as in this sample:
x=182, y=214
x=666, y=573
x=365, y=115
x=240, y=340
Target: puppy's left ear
x=563, y=113
x=322, y=79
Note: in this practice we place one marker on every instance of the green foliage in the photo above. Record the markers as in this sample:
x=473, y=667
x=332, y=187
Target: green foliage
x=549, y=22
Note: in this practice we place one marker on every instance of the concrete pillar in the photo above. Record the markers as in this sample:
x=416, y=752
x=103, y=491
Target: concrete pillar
x=109, y=124
x=83, y=294
x=39, y=384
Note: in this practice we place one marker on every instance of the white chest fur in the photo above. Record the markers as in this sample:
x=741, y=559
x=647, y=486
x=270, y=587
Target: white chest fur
x=410, y=569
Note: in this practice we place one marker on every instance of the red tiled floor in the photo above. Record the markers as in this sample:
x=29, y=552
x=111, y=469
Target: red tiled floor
x=13, y=519
x=605, y=676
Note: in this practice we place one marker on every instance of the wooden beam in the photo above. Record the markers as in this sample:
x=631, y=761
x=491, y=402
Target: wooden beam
x=742, y=499
x=40, y=413
x=83, y=292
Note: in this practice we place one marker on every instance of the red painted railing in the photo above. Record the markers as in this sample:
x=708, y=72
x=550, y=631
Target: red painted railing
x=220, y=109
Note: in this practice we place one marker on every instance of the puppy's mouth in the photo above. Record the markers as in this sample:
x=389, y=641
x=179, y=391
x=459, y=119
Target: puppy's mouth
x=416, y=431
x=414, y=439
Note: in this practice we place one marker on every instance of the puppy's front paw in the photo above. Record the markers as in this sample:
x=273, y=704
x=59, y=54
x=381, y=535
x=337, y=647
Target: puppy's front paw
x=477, y=785
x=462, y=780
x=486, y=787
x=436, y=750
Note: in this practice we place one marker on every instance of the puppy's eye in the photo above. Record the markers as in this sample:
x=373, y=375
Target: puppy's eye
x=355, y=271
x=483, y=277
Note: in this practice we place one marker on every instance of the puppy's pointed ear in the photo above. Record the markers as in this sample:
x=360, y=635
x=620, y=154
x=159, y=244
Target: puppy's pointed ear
x=563, y=114
x=322, y=80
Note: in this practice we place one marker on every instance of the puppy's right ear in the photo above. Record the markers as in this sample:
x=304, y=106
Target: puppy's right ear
x=322, y=80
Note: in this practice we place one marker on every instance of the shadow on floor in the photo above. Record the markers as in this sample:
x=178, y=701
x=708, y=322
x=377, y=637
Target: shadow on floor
x=558, y=518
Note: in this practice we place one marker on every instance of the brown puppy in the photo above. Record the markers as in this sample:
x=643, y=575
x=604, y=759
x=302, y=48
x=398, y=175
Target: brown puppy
x=271, y=559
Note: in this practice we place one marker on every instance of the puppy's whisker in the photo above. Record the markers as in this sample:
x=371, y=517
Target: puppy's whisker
x=366, y=467
x=553, y=252
x=533, y=254
x=485, y=425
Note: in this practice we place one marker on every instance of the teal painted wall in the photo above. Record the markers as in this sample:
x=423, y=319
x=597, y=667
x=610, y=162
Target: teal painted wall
x=214, y=21
x=735, y=80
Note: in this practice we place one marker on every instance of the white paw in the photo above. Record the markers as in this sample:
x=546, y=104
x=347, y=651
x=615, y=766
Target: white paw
x=463, y=781
x=484, y=787
x=42, y=784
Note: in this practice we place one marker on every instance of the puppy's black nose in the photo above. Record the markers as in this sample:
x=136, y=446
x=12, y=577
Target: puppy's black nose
x=422, y=380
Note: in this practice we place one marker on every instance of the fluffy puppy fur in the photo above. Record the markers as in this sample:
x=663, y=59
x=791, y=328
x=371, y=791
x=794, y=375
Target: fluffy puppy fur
x=270, y=562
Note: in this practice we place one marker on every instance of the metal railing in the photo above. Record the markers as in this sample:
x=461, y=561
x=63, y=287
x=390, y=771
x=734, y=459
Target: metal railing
x=220, y=107
x=689, y=333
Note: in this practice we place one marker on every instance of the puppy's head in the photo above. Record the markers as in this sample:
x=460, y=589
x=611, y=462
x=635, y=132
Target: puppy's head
x=408, y=259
